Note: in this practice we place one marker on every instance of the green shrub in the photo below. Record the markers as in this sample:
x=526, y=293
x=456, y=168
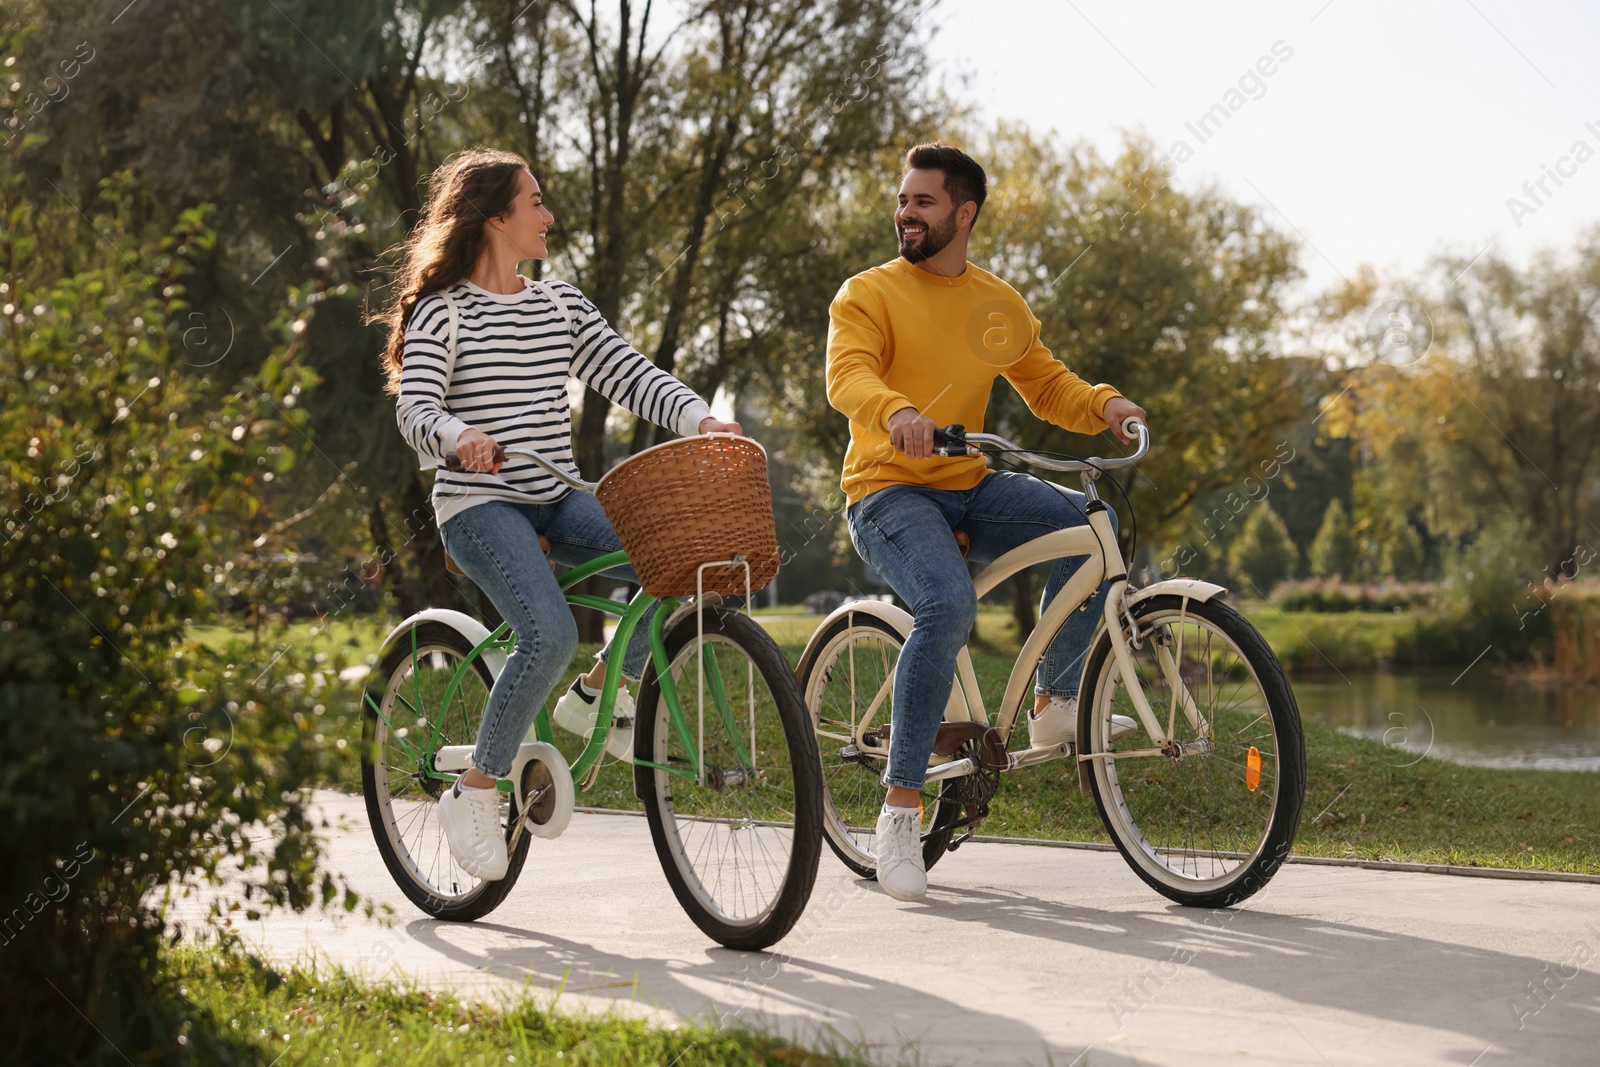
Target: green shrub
x=1335, y=552
x=1402, y=557
x=1331, y=595
x=1263, y=553
x=138, y=764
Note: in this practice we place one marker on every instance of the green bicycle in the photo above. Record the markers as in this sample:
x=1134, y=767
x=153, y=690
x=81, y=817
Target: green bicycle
x=724, y=761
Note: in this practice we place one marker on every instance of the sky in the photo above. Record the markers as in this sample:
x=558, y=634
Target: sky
x=1385, y=133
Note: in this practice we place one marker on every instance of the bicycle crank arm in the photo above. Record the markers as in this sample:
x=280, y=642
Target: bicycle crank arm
x=1028, y=757
x=962, y=767
x=958, y=768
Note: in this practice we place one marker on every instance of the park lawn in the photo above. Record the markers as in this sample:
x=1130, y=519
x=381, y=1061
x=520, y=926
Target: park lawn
x=1362, y=801
x=241, y=1011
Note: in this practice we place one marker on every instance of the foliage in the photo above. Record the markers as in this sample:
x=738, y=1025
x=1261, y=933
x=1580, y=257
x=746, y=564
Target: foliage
x=1402, y=556
x=143, y=766
x=1327, y=595
x=1575, y=618
x=1496, y=422
x=1263, y=555
x=1335, y=553
x=1174, y=295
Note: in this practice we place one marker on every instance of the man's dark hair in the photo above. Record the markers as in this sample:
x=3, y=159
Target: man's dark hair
x=964, y=178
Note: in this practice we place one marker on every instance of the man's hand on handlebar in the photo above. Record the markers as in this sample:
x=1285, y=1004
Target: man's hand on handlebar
x=911, y=432
x=1118, y=410
x=478, y=452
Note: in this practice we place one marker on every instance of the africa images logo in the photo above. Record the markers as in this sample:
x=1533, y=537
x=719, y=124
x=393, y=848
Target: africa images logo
x=997, y=335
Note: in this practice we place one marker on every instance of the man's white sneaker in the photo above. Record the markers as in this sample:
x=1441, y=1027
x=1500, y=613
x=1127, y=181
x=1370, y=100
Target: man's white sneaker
x=1057, y=722
x=578, y=709
x=470, y=819
x=899, y=853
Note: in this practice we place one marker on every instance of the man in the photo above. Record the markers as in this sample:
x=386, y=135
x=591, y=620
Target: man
x=916, y=344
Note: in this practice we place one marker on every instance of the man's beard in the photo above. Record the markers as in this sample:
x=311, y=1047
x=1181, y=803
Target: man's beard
x=935, y=239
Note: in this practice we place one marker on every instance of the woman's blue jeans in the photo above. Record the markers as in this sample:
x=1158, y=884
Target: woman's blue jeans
x=907, y=533
x=497, y=545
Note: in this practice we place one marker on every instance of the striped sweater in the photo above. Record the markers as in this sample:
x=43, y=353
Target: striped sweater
x=513, y=360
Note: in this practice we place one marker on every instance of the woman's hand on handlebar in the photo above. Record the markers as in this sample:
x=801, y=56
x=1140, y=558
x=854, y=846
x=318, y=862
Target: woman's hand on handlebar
x=478, y=451
x=911, y=432
x=710, y=424
x=1118, y=410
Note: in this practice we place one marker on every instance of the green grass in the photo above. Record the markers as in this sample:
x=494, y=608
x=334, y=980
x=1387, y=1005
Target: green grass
x=241, y=1011
x=1361, y=802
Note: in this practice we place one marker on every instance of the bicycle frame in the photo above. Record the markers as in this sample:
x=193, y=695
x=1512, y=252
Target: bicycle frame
x=629, y=616
x=1097, y=542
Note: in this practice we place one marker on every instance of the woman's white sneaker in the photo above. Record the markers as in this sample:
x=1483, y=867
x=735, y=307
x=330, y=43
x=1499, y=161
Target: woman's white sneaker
x=899, y=853
x=470, y=819
x=578, y=709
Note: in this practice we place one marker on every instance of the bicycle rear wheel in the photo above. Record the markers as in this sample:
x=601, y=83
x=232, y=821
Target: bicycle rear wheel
x=848, y=687
x=739, y=844
x=1207, y=821
x=396, y=758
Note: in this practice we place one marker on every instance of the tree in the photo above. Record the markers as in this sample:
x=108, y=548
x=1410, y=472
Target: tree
x=1335, y=553
x=1262, y=555
x=1174, y=296
x=1402, y=557
x=1498, y=417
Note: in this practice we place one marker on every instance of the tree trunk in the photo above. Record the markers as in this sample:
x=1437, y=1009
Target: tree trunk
x=1022, y=602
x=436, y=588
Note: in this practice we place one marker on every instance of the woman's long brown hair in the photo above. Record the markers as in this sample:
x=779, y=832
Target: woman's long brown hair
x=465, y=192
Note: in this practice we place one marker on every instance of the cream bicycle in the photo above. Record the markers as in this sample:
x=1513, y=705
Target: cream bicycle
x=1199, y=778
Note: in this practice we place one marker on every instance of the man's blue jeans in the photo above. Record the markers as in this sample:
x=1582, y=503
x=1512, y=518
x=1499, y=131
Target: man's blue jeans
x=907, y=533
x=497, y=545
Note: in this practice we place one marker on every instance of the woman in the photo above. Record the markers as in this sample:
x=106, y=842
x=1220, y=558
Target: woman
x=515, y=351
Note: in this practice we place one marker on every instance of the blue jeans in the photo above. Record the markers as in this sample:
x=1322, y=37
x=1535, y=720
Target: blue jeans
x=497, y=545
x=907, y=533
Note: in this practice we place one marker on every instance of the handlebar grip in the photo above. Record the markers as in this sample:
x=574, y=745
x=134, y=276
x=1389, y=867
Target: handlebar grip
x=1130, y=426
x=953, y=436
x=452, y=461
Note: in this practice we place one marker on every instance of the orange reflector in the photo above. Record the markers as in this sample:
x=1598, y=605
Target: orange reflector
x=1252, y=769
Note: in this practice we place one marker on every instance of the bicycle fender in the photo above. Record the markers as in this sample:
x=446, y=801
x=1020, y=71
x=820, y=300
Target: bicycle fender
x=469, y=628
x=1190, y=588
x=963, y=706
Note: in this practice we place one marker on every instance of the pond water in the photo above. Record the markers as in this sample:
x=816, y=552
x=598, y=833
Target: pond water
x=1479, y=719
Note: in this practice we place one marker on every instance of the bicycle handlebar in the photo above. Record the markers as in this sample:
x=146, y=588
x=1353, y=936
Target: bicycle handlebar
x=956, y=441
x=452, y=462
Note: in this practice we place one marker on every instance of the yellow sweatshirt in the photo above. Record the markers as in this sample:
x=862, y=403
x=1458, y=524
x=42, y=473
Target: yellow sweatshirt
x=899, y=337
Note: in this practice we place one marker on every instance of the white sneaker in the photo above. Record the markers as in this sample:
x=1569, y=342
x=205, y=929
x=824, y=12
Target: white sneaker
x=1057, y=723
x=899, y=853
x=577, y=711
x=471, y=823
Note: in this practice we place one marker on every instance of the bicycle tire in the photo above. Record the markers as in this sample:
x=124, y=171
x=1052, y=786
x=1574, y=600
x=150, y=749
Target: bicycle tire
x=1148, y=828
x=401, y=856
x=680, y=812
x=851, y=788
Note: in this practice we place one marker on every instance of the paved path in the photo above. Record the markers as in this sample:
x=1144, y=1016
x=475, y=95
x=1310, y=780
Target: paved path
x=1022, y=954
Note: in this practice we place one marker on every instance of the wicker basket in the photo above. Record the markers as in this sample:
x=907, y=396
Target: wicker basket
x=694, y=501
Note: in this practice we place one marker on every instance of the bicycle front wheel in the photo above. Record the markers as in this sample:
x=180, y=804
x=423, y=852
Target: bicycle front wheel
x=732, y=793
x=1207, y=818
